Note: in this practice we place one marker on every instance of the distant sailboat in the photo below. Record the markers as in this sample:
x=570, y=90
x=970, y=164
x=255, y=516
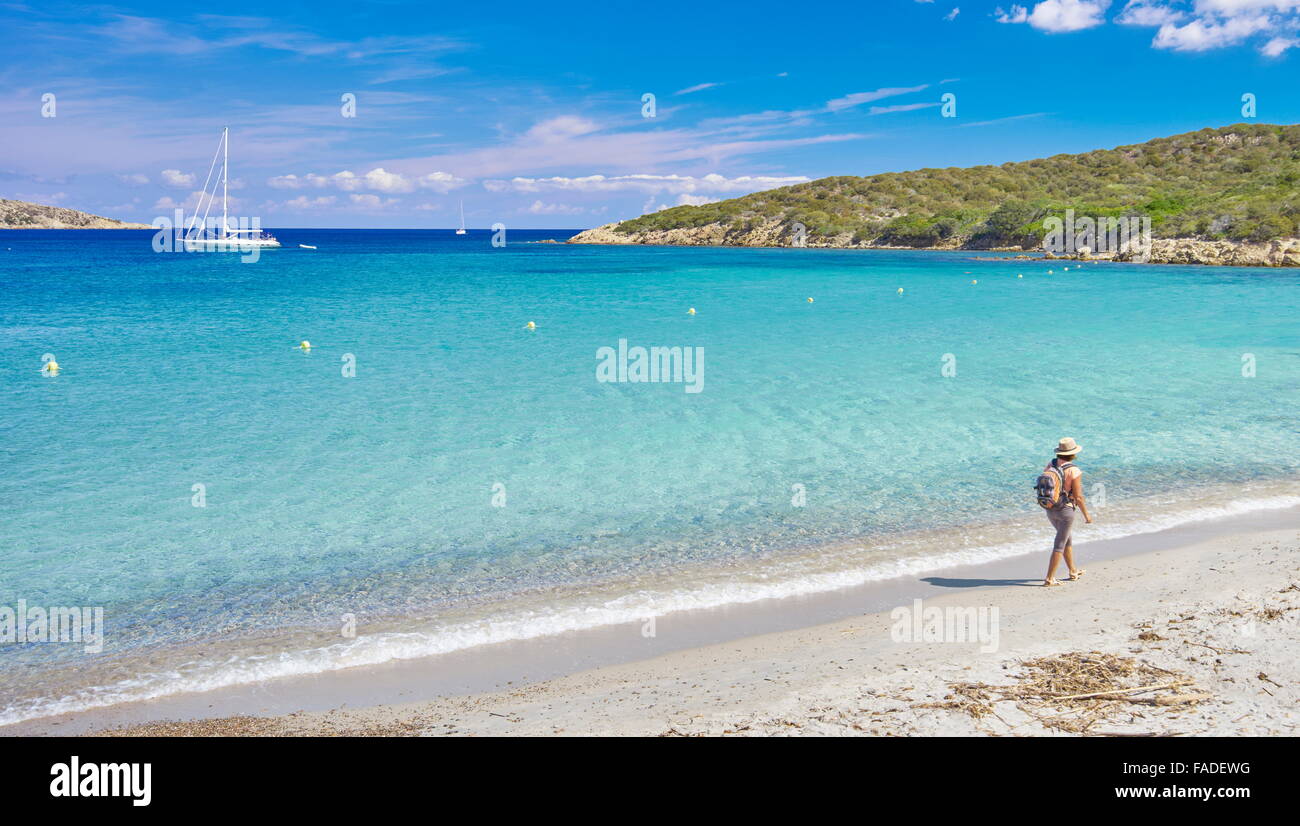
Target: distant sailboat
x=461, y=231
x=197, y=234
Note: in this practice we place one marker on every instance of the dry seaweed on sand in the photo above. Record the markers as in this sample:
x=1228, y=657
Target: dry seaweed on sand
x=1075, y=691
x=973, y=698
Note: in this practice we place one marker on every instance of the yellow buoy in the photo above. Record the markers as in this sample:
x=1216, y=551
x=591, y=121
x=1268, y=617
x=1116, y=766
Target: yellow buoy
x=810, y=301
x=52, y=366
x=306, y=345
x=691, y=311
x=1067, y=269
x=1049, y=272
x=531, y=326
x=973, y=281
x=900, y=290
x=1020, y=275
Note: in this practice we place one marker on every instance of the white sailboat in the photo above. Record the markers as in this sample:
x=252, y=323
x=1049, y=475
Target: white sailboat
x=461, y=231
x=198, y=236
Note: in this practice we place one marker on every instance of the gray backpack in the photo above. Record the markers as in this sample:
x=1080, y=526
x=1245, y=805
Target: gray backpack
x=1051, y=487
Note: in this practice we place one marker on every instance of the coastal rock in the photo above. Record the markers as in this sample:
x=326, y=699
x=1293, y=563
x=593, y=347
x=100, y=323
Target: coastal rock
x=26, y=215
x=771, y=233
x=1283, y=252
x=706, y=236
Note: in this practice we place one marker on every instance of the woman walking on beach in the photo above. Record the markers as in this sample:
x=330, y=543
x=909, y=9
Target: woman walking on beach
x=1060, y=492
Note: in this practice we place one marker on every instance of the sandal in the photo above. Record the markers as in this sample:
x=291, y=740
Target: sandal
x=1047, y=583
x=1077, y=575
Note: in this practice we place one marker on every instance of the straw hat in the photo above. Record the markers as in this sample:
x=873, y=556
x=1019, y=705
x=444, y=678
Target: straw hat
x=1067, y=447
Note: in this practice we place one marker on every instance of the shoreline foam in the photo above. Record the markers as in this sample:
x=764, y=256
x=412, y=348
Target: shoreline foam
x=836, y=568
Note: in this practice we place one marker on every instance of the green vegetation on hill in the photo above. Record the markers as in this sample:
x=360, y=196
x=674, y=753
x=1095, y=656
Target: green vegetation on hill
x=1236, y=183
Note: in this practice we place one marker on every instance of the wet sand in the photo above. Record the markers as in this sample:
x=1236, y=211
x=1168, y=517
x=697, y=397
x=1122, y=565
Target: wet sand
x=1217, y=604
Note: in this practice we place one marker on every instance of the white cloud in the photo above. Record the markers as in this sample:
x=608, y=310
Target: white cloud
x=1004, y=120
x=682, y=200
x=1203, y=34
x=540, y=208
x=1147, y=13
x=376, y=180
x=905, y=107
x=561, y=128
x=190, y=203
x=1058, y=15
x=369, y=201
x=177, y=179
x=952, y=15
x=695, y=200
x=859, y=98
x=699, y=87
x=671, y=184
x=136, y=180
x=289, y=181
x=1233, y=7
x=443, y=182
x=167, y=203
x=303, y=202
x=1278, y=45
x=381, y=181
x=131, y=34
x=560, y=144
x=1182, y=25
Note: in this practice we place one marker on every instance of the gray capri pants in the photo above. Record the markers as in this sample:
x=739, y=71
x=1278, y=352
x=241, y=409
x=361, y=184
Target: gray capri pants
x=1063, y=520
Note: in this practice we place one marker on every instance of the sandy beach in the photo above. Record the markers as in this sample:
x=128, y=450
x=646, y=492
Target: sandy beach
x=1197, y=637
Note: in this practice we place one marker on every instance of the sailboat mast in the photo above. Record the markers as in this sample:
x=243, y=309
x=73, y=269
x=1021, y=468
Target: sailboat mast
x=225, y=172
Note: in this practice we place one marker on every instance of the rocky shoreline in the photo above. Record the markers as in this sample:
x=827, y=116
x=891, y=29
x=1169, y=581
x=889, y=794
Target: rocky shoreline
x=26, y=215
x=1282, y=252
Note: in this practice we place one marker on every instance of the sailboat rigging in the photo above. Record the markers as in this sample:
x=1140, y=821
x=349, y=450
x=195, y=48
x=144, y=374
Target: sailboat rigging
x=199, y=236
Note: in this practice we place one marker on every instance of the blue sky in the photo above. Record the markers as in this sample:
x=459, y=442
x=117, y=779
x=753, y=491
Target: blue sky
x=532, y=113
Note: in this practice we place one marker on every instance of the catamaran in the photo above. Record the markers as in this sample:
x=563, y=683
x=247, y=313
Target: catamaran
x=461, y=231
x=199, y=236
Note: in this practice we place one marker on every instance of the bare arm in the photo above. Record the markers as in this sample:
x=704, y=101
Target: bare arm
x=1076, y=493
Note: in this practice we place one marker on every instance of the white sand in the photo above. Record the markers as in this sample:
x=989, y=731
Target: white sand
x=1227, y=610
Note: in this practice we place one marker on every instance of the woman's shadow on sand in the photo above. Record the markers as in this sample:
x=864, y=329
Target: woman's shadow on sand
x=949, y=582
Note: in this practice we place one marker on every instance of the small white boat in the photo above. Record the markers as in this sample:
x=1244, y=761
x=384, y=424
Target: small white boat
x=223, y=238
x=306, y=247
x=461, y=231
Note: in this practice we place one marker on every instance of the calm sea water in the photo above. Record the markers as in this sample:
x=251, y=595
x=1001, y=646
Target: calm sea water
x=474, y=481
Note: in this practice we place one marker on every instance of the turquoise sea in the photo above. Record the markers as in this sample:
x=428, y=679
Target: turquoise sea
x=474, y=482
